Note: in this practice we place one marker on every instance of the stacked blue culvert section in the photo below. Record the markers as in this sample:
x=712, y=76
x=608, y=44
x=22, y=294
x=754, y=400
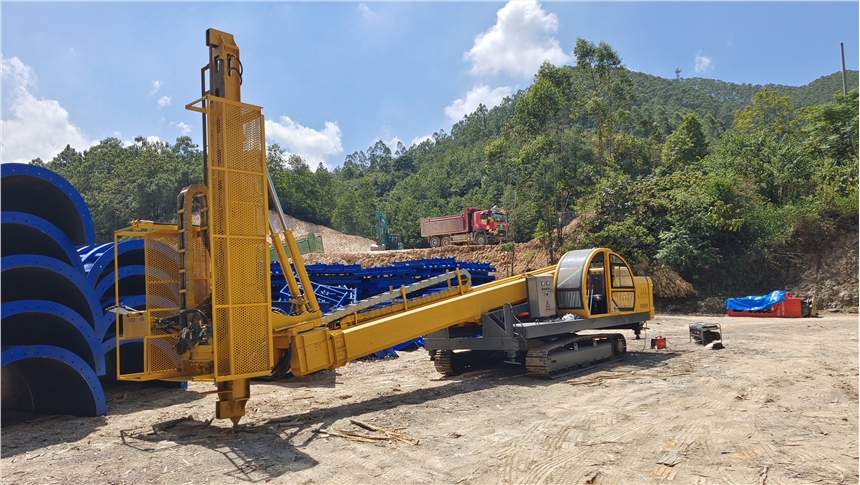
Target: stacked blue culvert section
x=40, y=192
x=51, y=320
x=57, y=339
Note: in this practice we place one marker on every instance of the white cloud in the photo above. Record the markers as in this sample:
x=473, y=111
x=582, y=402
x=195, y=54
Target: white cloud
x=480, y=94
x=420, y=139
x=151, y=139
x=20, y=74
x=163, y=101
x=183, y=127
x=156, y=85
x=703, y=63
x=312, y=145
x=39, y=127
x=391, y=143
x=519, y=42
x=366, y=12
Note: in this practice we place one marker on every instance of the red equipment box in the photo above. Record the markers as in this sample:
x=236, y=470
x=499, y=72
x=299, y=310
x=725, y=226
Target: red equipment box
x=790, y=307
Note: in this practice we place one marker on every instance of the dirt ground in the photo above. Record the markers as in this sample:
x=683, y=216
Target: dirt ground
x=777, y=405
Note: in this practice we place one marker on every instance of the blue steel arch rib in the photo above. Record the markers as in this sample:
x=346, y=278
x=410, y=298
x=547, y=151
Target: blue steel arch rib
x=39, y=322
x=132, y=281
x=91, y=252
x=131, y=355
x=131, y=252
x=49, y=380
x=29, y=277
x=41, y=192
x=29, y=234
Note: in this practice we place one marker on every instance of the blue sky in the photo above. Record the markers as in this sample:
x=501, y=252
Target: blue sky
x=334, y=77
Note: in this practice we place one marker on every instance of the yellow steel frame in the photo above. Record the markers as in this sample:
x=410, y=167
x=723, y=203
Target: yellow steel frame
x=160, y=360
x=238, y=222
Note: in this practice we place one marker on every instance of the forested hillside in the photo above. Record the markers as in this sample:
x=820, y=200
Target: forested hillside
x=715, y=101
x=709, y=178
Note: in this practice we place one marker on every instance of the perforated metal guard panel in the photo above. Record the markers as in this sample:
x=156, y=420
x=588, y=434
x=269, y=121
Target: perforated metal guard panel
x=162, y=275
x=240, y=252
x=200, y=277
x=162, y=300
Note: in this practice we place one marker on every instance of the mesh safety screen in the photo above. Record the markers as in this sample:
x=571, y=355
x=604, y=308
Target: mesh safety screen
x=200, y=277
x=161, y=356
x=161, y=259
x=238, y=215
x=162, y=275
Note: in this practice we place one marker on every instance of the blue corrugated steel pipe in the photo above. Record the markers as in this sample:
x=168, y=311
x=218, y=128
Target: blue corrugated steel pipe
x=29, y=277
x=50, y=380
x=28, y=234
x=91, y=252
x=39, y=322
x=130, y=253
x=43, y=193
x=132, y=281
x=131, y=354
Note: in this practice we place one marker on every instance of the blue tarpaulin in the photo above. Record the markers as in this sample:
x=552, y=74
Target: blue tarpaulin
x=755, y=303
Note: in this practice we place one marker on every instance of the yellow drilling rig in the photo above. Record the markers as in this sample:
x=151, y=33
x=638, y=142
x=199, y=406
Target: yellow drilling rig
x=209, y=314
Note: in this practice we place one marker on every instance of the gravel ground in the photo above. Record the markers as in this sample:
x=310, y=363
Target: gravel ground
x=777, y=405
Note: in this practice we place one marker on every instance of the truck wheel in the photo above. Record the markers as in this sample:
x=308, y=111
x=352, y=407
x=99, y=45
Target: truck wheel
x=481, y=239
x=446, y=241
x=435, y=242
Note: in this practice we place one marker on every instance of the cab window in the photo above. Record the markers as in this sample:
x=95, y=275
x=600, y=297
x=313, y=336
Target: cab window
x=621, y=277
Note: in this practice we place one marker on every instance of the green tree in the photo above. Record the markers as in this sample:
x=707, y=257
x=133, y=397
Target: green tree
x=830, y=130
x=355, y=209
x=121, y=183
x=767, y=111
x=543, y=161
x=603, y=93
x=685, y=146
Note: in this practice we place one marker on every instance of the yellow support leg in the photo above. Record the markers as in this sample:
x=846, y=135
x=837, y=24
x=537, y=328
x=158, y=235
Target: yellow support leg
x=232, y=396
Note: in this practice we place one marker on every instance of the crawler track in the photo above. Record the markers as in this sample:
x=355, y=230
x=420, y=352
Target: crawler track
x=569, y=353
x=452, y=363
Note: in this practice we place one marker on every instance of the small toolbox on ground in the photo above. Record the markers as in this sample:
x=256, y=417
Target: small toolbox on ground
x=705, y=333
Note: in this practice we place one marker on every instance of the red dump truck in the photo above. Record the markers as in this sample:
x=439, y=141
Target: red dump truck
x=472, y=226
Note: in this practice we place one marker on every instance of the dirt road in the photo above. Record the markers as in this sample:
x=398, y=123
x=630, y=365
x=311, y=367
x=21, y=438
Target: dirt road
x=778, y=405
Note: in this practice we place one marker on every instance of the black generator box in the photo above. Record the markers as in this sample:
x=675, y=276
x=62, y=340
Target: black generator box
x=705, y=333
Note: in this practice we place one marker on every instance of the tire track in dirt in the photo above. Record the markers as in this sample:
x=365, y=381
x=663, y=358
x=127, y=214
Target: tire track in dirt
x=600, y=428
x=579, y=460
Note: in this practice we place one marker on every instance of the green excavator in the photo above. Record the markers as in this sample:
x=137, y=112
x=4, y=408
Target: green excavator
x=385, y=241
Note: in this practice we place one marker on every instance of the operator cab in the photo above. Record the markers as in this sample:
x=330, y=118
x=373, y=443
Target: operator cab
x=498, y=215
x=593, y=282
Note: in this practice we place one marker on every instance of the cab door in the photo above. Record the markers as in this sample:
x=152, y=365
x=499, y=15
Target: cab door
x=622, y=291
